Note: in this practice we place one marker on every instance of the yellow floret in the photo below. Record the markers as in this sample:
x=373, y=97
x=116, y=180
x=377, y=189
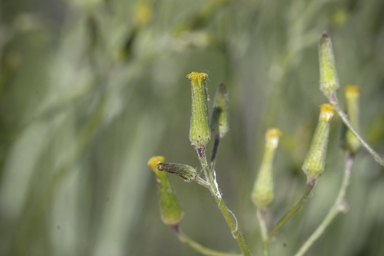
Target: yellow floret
x=326, y=112
x=272, y=136
x=154, y=161
x=197, y=77
x=352, y=91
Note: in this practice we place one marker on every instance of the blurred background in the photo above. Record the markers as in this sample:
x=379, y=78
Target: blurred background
x=91, y=89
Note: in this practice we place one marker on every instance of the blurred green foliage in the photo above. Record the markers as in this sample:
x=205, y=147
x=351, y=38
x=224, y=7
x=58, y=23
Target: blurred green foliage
x=91, y=89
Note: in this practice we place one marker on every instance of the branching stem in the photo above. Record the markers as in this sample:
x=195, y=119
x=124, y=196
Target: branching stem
x=223, y=208
x=337, y=207
x=198, y=247
x=335, y=104
x=289, y=215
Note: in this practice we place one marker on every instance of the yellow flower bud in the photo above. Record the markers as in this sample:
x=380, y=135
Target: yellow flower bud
x=314, y=163
x=199, y=133
x=351, y=143
x=262, y=194
x=171, y=213
x=329, y=82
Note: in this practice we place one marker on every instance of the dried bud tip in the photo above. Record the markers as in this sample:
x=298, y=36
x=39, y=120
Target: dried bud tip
x=326, y=112
x=196, y=77
x=188, y=173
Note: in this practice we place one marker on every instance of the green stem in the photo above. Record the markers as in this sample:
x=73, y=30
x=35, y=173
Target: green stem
x=198, y=247
x=263, y=232
x=202, y=182
x=337, y=207
x=289, y=215
x=333, y=100
x=232, y=223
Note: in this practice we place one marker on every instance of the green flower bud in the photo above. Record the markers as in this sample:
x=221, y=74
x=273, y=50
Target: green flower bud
x=351, y=143
x=262, y=194
x=199, y=133
x=188, y=173
x=171, y=213
x=329, y=83
x=219, y=122
x=314, y=163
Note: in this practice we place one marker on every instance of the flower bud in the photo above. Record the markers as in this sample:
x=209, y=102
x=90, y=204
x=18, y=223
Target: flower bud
x=199, y=133
x=329, y=82
x=171, y=213
x=314, y=163
x=219, y=122
x=351, y=143
x=188, y=173
x=262, y=195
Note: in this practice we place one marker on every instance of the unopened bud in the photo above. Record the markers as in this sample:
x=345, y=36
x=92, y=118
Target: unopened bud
x=199, y=133
x=314, y=163
x=329, y=82
x=351, y=143
x=188, y=173
x=171, y=213
x=219, y=122
x=262, y=195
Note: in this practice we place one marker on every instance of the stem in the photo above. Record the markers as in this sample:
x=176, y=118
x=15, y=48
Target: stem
x=289, y=215
x=231, y=221
x=333, y=100
x=263, y=232
x=214, y=151
x=337, y=207
x=202, y=182
x=198, y=247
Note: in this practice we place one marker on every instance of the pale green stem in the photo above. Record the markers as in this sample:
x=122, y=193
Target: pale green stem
x=223, y=208
x=292, y=211
x=202, y=182
x=198, y=247
x=263, y=232
x=333, y=100
x=337, y=207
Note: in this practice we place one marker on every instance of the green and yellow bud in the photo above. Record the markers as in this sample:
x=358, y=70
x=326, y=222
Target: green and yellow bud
x=188, y=173
x=199, y=133
x=351, y=143
x=171, y=213
x=219, y=122
x=314, y=163
x=262, y=194
x=329, y=82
